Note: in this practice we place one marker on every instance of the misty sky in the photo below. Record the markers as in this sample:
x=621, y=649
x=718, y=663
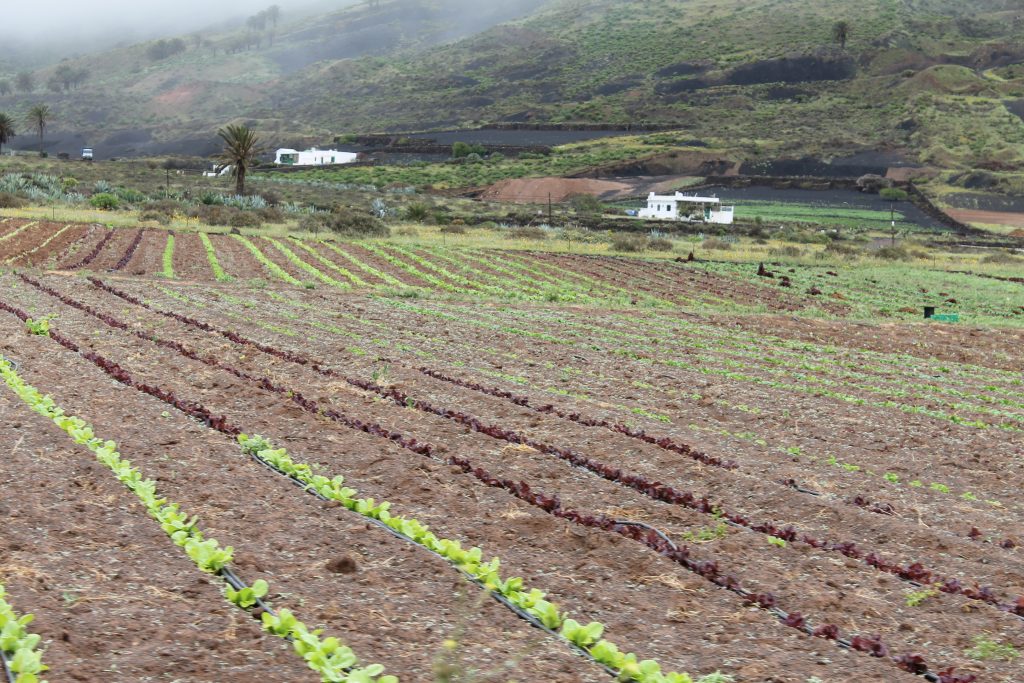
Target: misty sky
x=119, y=20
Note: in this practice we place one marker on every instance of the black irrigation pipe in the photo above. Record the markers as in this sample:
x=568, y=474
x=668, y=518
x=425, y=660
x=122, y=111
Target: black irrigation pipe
x=658, y=532
x=521, y=613
x=871, y=645
x=223, y=427
x=232, y=580
x=302, y=402
x=8, y=674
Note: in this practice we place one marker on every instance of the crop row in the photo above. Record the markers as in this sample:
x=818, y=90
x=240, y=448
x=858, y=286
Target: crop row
x=95, y=251
x=25, y=254
x=655, y=490
x=130, y=252
x=528, y=601
x=275, y=269
x=733, y=355
x=327, y=656
x=168, y=258
x=17, y=231
x=211, y=257
x=354, y=279
x=913, y=571
x=20, y=657
x=502, y=356
x=294, y=259
x=708, y=570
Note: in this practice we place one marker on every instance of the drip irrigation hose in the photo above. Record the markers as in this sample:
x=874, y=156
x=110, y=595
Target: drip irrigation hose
x=10, y=361
x=516, y=609
x=660, y=533
x=8, y=674
x=232, y=580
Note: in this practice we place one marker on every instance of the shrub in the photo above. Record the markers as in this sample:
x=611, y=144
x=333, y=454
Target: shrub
x=629, y=243
x=417, y=212
x=10, y=201
x=715, y=244
x=840, y=249
x=407, y=231
x=353, y=223
x=104, y=201
x=244, y=219
x=788, y=251
x=893, y=194
x=158, y=216
x=453, y=229
x=660, y=244
x=312, y=223
x=527, y=232
x=898, y=253
x=214, y=215
x=1000, y=257
x=586, y=204
x=272, y=214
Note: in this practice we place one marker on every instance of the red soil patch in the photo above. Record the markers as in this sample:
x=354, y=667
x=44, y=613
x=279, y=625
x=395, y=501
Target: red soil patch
x=988, y=217
x=537, y=190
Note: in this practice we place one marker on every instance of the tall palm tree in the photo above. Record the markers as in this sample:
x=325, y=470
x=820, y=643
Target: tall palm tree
x=6, y=129
x=240, y=149
x=38, y=117
x=841, y=32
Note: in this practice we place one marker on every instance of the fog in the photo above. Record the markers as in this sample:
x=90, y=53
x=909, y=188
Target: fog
x=61, y=27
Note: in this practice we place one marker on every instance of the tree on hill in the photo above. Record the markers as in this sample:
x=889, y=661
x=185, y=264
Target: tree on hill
x=39, y=117
x=25, y=81
x=162, y=49
x=5, y=88
x=273, y=15
x=841, y=32
x=241, y=145
x=6, y=129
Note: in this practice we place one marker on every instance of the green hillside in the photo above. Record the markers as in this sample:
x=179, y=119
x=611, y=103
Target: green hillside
x=938, y=80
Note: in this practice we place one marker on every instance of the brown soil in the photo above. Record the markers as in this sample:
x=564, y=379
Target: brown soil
x=987, y=217
x=650, y=605
x=537, y=190
x=110, y=592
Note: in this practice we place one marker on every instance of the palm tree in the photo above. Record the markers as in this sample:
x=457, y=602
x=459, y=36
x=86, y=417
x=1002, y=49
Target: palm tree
x=240, y=149
x=841, y=32
x=6, y=129
x=38, y=117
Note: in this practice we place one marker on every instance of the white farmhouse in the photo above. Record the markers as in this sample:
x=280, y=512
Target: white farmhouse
x=313, y=157
x=690, y=209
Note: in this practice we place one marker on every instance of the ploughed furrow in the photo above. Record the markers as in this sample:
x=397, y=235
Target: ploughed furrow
x=623, y=619
x=235, y=259
x=585, y=490
x=361, y=583
x=341, y=255
x=108, y=590
x=49, y=252
x=909, y=502
x=85, y=257
x=779, y=467
x=129, y=252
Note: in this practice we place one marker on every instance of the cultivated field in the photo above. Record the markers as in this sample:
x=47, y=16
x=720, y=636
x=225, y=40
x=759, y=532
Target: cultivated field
x=666, y=466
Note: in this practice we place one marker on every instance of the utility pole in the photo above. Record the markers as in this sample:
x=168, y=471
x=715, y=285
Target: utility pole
x=167, y=183
x=549, y=209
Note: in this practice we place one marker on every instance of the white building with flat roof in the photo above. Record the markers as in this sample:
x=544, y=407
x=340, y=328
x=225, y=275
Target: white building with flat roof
x=687, y=208
x=314, y=157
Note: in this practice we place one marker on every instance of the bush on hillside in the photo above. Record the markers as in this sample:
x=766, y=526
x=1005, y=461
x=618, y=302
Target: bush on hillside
x=629, y=243
x=10, y=201
x=348, y=222
x=104, y=201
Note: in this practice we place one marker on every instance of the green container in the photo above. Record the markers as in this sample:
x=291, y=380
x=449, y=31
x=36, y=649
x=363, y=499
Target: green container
x=946, y=317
